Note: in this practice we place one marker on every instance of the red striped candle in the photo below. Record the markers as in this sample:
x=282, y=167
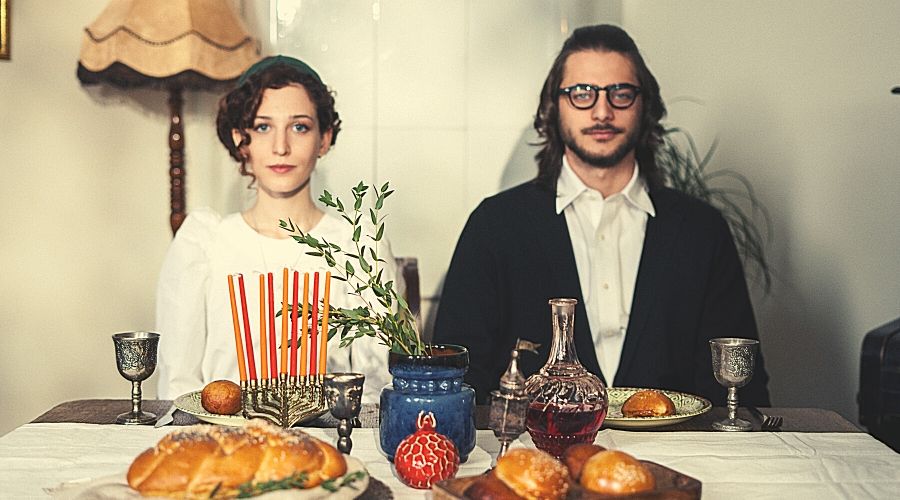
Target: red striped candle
x=273, y=357
x=251, y=362
x=314, y=337
x=263, y=343
x=304, y=325
x=294, y=325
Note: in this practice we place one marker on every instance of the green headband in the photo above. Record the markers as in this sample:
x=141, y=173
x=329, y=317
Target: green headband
x=268, y=62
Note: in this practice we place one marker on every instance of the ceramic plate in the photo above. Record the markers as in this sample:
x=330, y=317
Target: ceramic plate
x=687, y=406
x=190, y=403
x=115, y=487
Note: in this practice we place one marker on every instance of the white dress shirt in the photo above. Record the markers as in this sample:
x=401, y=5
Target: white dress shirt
x=607, y=239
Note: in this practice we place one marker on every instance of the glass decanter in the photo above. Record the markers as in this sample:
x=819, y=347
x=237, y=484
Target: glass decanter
x=568, y=403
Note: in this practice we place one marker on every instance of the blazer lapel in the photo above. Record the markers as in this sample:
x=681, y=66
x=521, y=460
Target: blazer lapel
x=655, y=256
x=553, y=233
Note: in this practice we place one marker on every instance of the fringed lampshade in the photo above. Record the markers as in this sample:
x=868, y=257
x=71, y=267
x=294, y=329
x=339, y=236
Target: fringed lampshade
x=172, y=45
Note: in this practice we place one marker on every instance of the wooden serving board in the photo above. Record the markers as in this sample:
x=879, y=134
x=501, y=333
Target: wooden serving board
x=670, y=484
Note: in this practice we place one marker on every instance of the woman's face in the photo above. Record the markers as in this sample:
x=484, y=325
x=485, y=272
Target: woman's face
x=285, y=141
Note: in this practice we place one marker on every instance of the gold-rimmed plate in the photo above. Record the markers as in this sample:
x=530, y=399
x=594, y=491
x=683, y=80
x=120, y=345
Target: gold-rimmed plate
x=687, y=406
x=190, y=403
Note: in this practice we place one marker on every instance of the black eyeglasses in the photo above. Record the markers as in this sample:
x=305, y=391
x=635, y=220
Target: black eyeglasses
x=584, y=95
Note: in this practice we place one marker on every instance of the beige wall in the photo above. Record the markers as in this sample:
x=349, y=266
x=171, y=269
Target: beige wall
x=798, y=95
x=796, y=92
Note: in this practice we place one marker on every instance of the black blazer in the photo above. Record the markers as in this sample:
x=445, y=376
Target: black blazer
x=515, y=254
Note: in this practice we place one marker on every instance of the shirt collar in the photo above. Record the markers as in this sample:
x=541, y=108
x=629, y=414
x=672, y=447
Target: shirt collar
x=569, y=187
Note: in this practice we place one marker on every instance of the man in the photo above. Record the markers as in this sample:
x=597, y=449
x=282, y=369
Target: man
x=655, y=272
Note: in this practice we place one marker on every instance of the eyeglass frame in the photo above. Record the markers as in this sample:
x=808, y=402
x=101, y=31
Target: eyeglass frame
x=596, y=88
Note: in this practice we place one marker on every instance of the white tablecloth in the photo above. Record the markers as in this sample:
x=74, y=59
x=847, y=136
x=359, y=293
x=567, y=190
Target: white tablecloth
x=35, y=457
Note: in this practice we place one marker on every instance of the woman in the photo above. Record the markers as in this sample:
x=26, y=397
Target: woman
x=277, y=123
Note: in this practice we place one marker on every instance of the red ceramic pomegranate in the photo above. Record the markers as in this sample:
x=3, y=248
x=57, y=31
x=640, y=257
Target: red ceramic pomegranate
x=426, y=457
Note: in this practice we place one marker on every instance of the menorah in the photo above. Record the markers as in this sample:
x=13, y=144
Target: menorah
x=284, y=401
x=283, y=396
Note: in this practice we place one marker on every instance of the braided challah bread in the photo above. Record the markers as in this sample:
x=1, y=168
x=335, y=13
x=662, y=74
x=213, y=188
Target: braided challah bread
x=207, y=461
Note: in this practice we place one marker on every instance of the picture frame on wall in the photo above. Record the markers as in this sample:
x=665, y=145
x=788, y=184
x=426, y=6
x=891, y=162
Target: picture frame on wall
x=4, y=29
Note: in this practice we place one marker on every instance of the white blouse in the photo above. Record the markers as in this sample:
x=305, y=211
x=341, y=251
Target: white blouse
x=193, y=310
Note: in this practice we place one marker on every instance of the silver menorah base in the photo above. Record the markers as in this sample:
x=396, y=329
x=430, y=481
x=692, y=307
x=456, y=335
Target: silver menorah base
x=285, y=401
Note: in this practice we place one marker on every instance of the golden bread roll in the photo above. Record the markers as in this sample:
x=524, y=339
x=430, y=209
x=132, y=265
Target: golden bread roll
x=648, y=403
x=206, y=461
x=222, y=397
x=488, y=487
x=614, y=472
x=576, y=455
x=533, y=474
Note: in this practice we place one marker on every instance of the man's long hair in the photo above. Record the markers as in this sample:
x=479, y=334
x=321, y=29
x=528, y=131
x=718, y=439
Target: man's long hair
x=604, y=38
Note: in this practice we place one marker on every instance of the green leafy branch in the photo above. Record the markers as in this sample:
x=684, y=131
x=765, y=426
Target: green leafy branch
x=388, y=317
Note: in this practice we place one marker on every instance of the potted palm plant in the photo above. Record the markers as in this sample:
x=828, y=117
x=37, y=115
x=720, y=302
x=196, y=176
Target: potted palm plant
x=426, y=377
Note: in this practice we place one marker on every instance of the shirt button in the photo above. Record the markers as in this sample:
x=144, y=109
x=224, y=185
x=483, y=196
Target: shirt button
x=602, y=237
x=606, y=286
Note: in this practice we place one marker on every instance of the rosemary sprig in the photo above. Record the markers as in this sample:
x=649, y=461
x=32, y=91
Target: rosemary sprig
x=333, y=485
x=251, y=489
x=362, y=268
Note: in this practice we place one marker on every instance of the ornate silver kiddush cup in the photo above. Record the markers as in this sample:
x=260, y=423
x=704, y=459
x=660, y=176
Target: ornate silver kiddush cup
x=343, y=393
x=136, y=361
x=732, y=364
x=509, y=405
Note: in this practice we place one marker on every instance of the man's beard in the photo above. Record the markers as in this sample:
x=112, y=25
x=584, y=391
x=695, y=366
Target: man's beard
x=600, y=160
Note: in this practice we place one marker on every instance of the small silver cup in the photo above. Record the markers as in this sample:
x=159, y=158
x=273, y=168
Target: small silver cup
x=136, y=361
x=732, y=365
x=343, y=393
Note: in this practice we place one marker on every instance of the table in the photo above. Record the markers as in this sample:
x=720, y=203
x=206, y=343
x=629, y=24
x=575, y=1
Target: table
x=104, y=411
x=839, y=463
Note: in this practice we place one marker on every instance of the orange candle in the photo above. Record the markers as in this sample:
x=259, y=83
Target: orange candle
x=273, y=364
x=284, y=320
x=294, y=327
x=323, y=354
x=237, y=330
x=263, y=343
x=314, y=337
x=304, y=361
x=251, y=362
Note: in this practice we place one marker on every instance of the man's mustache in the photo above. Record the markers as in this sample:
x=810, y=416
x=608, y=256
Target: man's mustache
x=601, y=128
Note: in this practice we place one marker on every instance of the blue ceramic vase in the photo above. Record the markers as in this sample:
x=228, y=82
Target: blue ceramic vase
x=430, y=383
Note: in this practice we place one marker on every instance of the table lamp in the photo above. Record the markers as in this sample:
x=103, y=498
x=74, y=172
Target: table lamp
x=173, y=45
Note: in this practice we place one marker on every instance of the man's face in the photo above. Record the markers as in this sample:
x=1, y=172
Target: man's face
x=601, y=136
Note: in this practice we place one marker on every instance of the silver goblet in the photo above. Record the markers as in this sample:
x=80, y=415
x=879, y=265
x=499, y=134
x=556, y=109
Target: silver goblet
x=732, y=365
x=136, y=361
x=343, y=393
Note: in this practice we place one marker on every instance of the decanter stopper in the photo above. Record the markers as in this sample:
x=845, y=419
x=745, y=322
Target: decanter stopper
x=508, y=405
